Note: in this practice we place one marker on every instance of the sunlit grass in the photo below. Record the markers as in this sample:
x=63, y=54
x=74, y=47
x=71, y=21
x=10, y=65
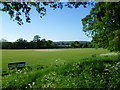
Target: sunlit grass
x=33, y=57
x=63, y=68
x=94, y=72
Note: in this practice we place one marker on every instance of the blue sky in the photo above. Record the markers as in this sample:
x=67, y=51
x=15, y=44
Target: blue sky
x=56, y=25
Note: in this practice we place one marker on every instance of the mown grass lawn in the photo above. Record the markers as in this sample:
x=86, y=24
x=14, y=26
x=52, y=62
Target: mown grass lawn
x=34, y=57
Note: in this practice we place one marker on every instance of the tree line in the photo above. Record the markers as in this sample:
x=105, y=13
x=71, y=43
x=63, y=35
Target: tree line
x=38, y=43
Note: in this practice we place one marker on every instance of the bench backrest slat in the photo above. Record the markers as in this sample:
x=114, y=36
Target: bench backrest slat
x=17, y=64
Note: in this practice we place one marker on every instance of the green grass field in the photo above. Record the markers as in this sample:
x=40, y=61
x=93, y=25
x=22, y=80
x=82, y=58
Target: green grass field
x=62, y=68
x=46, y=56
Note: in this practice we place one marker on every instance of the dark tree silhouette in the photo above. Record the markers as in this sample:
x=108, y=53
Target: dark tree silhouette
x=20, y=43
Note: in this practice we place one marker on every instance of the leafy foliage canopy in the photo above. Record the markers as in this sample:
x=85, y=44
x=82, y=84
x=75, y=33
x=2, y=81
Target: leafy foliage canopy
x=103, y=25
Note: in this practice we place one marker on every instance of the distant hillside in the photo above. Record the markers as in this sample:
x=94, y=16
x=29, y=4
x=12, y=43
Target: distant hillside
x=71, y=41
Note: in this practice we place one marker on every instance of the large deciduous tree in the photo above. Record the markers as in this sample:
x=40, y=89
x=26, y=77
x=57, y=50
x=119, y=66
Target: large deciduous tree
x=103, y=25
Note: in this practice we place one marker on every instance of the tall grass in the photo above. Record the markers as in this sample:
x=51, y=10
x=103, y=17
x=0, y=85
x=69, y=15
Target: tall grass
x=94, y=72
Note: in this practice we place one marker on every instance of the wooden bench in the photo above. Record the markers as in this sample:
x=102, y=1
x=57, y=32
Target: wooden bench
x=17, y=65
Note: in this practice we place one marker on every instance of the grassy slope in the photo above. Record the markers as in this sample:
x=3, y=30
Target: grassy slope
x=32, y=57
